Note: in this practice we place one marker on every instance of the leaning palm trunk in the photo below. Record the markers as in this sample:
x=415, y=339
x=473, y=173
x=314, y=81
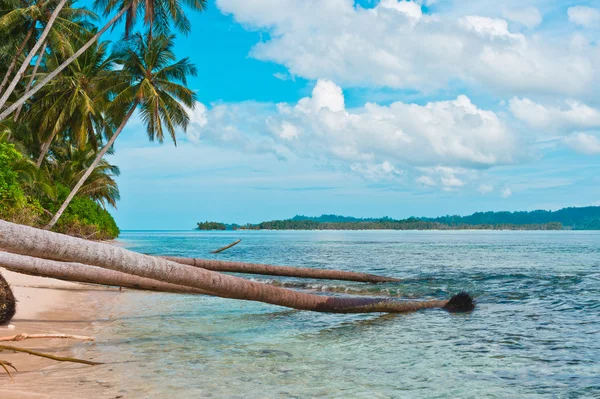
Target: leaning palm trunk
x=32, y=77
x=44, y=150
x=33, y=52
x=284, y=271
x=13, y=63
x=79, y=273
x=91, y=168
x=40, y=243
x=62, y=66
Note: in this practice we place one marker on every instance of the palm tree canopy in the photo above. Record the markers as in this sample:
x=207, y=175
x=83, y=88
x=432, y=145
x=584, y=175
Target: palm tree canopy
x=158, y=15
x=157, y=82
x=75, y=101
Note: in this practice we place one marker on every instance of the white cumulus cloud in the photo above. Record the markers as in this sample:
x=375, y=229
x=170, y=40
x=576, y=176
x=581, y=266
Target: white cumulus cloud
x=584, y=16
x=376, y=141
x=394, y=44
x=584, y=143
x=567, y=116
x=527, y=16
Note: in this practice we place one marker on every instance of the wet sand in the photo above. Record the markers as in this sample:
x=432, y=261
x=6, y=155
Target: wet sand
x=48, y=306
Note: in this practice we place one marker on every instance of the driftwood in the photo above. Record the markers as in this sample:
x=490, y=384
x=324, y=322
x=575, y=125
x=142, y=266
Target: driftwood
x=216, y=251
x=283, y=271
x=47, y=356
x=24, y=336
x=5, y=365
x=40, y=243
x=80, y=273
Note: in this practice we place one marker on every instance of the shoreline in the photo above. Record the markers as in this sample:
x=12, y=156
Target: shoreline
x=47, y=306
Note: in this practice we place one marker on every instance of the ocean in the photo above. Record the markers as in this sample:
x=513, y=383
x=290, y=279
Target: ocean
x=535, y=331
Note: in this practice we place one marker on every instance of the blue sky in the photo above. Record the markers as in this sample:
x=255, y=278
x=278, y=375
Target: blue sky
x=390, y=108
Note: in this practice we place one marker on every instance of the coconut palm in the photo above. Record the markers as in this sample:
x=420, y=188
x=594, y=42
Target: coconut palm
x=156, y=85
x=74, y=102
x=69, y=163
x=159, y=14
x=57, y=7
x=70, y=30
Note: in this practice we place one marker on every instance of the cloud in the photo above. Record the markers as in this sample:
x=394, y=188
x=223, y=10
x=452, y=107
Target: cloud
x=372, y=140
x=506, y=192
x=527, y=16
x=567, y=116
x=394, y=44
x=485, y=188
x=587, y=17
x=584, y=143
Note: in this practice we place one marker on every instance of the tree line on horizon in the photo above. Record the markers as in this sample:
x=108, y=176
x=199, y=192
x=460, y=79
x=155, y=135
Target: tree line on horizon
x=66, y=95
x=583, y=218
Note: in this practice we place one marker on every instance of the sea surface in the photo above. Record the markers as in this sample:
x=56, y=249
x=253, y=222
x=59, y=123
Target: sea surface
x=534, y=334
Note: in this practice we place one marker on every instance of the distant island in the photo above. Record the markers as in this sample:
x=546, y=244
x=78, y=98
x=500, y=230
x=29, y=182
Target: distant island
x=584, y=218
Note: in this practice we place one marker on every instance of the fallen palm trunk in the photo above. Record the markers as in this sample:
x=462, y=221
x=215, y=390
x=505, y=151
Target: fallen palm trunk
x=40, y=243
x=24, y=336
x=216, y=251
x=80, y=273
x=283, y=271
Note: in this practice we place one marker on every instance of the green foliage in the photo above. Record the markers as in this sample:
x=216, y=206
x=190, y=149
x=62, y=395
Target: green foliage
x=15, y=205
x=576, y=218
x=84, y=217
x=211, y=226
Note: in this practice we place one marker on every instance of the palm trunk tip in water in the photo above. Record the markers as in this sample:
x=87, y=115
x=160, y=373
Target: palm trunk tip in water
x=8, y=304
x=216, y=251
x=460, y=303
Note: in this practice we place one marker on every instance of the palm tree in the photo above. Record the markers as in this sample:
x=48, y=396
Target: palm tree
x=157, y=13
x=156, y=84
x=18, y=24
x=49, y=24
x=29, y=241
x=69, y=163
x=70, y=30
x=75, y=101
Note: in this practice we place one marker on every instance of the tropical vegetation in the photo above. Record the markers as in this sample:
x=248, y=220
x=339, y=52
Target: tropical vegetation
x=583, y=218
x=66, y=96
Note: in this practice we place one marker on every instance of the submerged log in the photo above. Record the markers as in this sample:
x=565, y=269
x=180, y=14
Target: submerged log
x=79, y=273
x=40, y=243
x=7, y=302
x=283, y=271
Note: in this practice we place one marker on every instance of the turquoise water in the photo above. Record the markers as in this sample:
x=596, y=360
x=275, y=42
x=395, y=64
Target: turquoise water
x=535, y=332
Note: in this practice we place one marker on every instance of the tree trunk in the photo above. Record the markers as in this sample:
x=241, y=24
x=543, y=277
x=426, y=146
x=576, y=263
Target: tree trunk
x=32, y=77
x=80, y=273
x=286, y=271
x=62, y=66
x=13, y=63
x=90, y=169
x=40, y=243
x=44, y=150
x=33, y=52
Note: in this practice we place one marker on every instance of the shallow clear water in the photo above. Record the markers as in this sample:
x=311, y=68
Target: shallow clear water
x=535, y=332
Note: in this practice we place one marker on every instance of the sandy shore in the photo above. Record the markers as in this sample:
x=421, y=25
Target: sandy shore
x=51, y=306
